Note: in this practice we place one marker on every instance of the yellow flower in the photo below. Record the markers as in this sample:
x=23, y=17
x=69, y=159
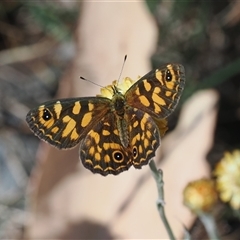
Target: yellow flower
x=162, y=125
x=227, y=174
x=200, y=195
x=122, y=87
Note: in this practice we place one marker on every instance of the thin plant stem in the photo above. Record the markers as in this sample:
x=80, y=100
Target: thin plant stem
x=158, y=176
x=209, y=224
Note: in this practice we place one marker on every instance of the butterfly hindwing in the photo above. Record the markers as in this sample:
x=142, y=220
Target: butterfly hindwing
x=63, y=123
x=101, y=150
x=144, y=137
x=158, y=92
x=109, y=156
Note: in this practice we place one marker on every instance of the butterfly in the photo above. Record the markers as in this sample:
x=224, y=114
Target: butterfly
x=115, y=131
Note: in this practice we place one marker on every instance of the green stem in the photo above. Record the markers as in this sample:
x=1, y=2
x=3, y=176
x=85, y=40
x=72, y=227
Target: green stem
x=158, y=176
x=209, y=224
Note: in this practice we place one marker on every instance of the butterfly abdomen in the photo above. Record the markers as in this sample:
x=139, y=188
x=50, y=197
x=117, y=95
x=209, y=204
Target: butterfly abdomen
x=119, y=104
x=123, y=131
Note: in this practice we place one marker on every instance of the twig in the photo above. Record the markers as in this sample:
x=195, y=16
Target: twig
x=209, y=225
x=158, y=176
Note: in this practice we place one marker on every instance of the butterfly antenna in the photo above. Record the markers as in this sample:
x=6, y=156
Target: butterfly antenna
x=96, y=84
x=87, y=80
x=124, y=60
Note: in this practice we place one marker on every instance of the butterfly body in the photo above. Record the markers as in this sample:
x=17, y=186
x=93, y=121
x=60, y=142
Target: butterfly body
x=119, y=110
x=114, y=132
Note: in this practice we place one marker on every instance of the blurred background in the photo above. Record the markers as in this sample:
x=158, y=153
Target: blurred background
x=38, y=47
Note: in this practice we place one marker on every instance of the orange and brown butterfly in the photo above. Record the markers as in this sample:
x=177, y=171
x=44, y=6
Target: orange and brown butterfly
x=118, y=129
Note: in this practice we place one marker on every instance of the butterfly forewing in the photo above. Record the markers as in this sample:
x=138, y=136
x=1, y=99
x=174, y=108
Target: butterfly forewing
x=158, y=92
x=63, y=123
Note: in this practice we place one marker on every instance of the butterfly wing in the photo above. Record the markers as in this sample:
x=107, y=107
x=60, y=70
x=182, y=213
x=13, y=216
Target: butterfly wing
x=144, y=137
x=102, y=152
x=63, y=123
x=158, y=92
